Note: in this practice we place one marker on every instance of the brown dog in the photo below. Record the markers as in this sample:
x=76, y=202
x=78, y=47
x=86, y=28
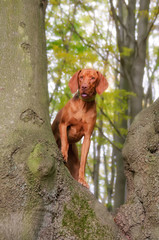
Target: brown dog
x=77, y=119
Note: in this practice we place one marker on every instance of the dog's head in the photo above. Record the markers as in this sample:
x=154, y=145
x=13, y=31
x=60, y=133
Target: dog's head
x=88, y=82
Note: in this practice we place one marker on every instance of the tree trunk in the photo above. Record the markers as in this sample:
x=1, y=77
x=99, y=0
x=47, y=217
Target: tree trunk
x=109, y=184
x=25, y=136
x=139, y=218
x=132, y=63
x=119, y=196
x=97, y=164
x=39, y=198
x=139, y=58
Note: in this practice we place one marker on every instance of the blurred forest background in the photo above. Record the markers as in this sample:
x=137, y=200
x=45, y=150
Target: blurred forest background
x=120, y=38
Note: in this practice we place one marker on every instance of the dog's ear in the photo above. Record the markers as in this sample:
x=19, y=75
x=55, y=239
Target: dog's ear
x=73, y=83
x=102, y=84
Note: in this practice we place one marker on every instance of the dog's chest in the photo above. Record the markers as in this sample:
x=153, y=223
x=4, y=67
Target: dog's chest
x=81, y=117
x=76, y=128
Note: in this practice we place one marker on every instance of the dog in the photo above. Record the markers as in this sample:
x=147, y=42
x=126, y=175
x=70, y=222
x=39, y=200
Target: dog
x=77, y=119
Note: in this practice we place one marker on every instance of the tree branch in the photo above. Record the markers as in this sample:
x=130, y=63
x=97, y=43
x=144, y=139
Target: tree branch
x=114, y=15
x=87, y=43
x=110, y=121
x=152, y=23
x=108, y=138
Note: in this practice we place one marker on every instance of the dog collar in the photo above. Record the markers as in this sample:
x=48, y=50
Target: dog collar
x=86, y=100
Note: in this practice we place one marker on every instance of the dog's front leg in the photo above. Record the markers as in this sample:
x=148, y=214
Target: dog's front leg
x=84, y=153
x=64, y=140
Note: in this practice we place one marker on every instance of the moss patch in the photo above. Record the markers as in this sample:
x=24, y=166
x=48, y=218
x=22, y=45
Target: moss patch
x=80, y=220
x=40, y=161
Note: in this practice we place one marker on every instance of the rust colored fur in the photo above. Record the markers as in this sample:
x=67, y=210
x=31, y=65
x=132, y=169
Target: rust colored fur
x=77, y=119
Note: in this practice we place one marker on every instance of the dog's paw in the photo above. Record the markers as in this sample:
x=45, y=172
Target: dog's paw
x=83, y=182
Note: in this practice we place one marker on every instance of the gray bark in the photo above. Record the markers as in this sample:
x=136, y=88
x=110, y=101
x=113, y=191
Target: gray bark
x=24, y=118
x=39, y=198
x=139, y=218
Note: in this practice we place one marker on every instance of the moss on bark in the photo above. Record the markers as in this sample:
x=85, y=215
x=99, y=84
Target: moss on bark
x=80, y=219
x=40, y=162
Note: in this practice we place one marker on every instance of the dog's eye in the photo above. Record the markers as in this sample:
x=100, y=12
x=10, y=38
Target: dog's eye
x=92, y=78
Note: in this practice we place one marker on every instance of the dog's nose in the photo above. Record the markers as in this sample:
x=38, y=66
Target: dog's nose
x=84, y=87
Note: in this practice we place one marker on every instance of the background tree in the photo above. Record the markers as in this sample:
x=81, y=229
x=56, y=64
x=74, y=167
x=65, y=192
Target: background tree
x=133, y=22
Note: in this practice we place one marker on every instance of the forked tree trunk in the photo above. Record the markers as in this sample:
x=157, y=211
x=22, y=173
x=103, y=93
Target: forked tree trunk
x=132, y=36
x=39, y=198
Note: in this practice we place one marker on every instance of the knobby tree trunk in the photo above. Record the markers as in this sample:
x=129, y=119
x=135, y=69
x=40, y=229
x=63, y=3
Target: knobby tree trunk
x=26, y=142
x=39, y=198
x=139, y=217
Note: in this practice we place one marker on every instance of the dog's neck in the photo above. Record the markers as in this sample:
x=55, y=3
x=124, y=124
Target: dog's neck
x=91, y=99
